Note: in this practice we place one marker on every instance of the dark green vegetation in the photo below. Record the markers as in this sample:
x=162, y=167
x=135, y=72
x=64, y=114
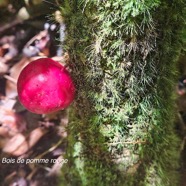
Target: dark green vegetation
x=123, y=58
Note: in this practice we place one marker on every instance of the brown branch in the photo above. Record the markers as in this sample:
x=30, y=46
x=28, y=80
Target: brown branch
x=9, y=25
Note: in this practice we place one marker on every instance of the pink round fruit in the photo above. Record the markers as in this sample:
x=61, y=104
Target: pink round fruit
x=45, y=86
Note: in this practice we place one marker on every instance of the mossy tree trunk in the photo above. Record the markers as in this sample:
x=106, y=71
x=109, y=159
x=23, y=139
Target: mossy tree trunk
x=123, y=59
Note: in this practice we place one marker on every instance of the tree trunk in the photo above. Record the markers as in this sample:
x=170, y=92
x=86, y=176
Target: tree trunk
x=123, y=57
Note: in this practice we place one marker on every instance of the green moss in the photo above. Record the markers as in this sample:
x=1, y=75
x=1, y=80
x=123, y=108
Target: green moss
x=123, y=59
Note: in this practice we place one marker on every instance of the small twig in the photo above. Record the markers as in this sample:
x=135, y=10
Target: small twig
x=10, y=25
x=57, y=2
x=127, y=142
x=43, y=154
x=183, y=144
x=181, y=122
x=49, y=150
x=45, y=1
x=10, y=176
x=10, y=79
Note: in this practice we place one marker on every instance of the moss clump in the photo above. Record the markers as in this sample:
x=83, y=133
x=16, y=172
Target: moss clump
x=123, y=59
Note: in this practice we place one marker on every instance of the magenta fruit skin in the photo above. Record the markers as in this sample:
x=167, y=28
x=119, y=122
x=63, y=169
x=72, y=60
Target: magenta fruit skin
x=45, y=86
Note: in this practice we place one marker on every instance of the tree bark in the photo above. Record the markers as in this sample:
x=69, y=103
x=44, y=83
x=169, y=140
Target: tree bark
x=123, y=59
